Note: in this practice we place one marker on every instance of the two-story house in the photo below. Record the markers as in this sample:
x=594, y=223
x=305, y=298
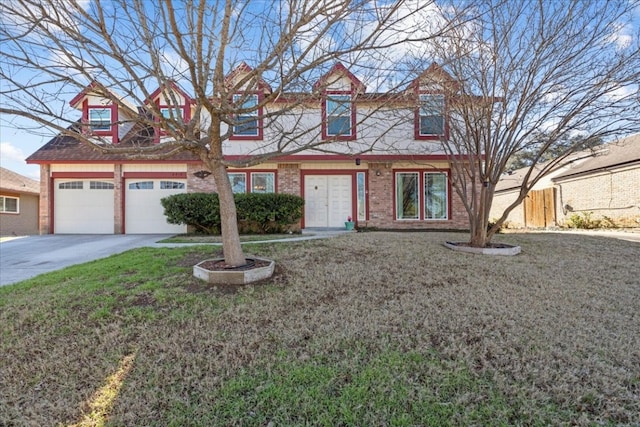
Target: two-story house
x=382, y=164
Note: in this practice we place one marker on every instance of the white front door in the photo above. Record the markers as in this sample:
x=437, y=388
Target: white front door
x=328, y=200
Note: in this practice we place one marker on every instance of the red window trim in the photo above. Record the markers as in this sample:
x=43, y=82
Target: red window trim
x=421, y=213
x=113, y=133
x=416, y=120
x=186, y=116
x=325, y=118
x=259, y=119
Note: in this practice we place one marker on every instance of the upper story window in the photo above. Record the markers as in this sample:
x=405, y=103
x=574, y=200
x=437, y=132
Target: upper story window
x=339, y=117
x=172, y=113
x=247, y=124
x=100, y=118
x=430, y=117
x=9, y=204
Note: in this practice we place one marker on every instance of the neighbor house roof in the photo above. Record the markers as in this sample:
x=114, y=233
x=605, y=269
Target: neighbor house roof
x=615, y=154
x=12, y=181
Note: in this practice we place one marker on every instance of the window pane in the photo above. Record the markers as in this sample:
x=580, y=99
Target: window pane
x=72, y=185
x=246, y=123
x=100, y=185
x=435, y=196
x=238, y=182
x=407, y=197
x=362, y=201
x=339, y=115
x=143, y=185
x=100, y=118
x=9, y=204
x=262, y=183
x=431, y=115
x=175, y=113
x=171, y=185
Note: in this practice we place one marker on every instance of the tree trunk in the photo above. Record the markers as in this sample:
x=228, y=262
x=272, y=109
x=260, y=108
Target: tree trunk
x=480, y=237
x=231, y=248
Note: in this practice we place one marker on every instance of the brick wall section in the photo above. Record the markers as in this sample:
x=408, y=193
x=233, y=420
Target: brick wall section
x=614, y=194
x=199, y=185
x=289, y=179
x=44, y=211
x=501, y=202
x=23, y=223
x=381, y=204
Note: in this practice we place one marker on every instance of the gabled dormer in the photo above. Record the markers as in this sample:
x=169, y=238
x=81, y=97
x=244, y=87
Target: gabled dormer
x=172, y=103
x=101, y=115
x=431, y=91
x=247, y=96
x=338, y=90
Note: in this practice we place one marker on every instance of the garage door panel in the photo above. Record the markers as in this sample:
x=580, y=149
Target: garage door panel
x=81, y=207
x=144, y=213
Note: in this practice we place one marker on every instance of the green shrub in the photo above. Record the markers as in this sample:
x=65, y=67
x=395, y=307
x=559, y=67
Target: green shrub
x=584, y=220
x=256, y=213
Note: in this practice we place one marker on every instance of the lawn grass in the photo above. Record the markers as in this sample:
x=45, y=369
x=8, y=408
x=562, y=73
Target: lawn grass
x=200, y=238
x=361, y=329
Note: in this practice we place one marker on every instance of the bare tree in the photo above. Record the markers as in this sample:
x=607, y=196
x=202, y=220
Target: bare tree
x=526, y=68
x=52, y=49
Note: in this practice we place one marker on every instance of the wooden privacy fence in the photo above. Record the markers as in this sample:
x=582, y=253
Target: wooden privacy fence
x=540, y=208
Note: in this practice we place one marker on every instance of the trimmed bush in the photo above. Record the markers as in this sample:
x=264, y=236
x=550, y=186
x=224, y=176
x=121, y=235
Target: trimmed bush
x=257, y=213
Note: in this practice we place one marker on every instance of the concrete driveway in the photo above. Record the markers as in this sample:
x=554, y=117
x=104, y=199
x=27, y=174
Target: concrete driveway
x=26, y=257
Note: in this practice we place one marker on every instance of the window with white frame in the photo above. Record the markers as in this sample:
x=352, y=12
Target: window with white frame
x=362, y=196
x=142, y=185
x=238, y=182
x=100, y=118
x=431, y=115
x=436, y=200
x=100, y=185
x=172, y=114
x=9, y=204
x=263, y=182
x=338, y=108
x=246, y=123
x=71, y=185
x=407, y=195
x=172, y=185
x=429, y=188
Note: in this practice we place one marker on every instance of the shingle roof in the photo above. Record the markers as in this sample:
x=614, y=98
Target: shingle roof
x=623, y=152
x=12, y=181
x=67, y=148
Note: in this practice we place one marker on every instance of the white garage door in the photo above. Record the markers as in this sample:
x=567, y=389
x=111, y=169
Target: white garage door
x=83, y=206
x=328, y=200
x=144, y=213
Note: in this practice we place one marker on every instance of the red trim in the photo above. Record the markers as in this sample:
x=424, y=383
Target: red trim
x=84, y=92
x=154, y=175
x=82, y=175
x=52, y=222
x=259, y=119
x=338, y=68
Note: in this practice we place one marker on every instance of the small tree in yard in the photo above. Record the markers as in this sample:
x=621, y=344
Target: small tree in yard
x=53, y=49
x=539, y=77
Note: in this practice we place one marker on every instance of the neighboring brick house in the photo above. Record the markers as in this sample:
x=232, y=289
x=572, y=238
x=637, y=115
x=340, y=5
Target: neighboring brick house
x=18, y=204
x=604, y=181
x=608, y=185
x=386, y=169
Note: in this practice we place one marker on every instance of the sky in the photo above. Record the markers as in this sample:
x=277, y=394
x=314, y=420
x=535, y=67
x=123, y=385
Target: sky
x=18, y=139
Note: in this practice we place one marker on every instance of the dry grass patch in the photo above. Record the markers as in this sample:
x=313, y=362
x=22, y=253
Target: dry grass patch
x=361, y=329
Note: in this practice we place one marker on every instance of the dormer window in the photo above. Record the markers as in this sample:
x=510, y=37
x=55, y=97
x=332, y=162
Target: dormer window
x=338, y=115
x=247, y=124
x=431, y=116
x=172, y=114
x=99, y=119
